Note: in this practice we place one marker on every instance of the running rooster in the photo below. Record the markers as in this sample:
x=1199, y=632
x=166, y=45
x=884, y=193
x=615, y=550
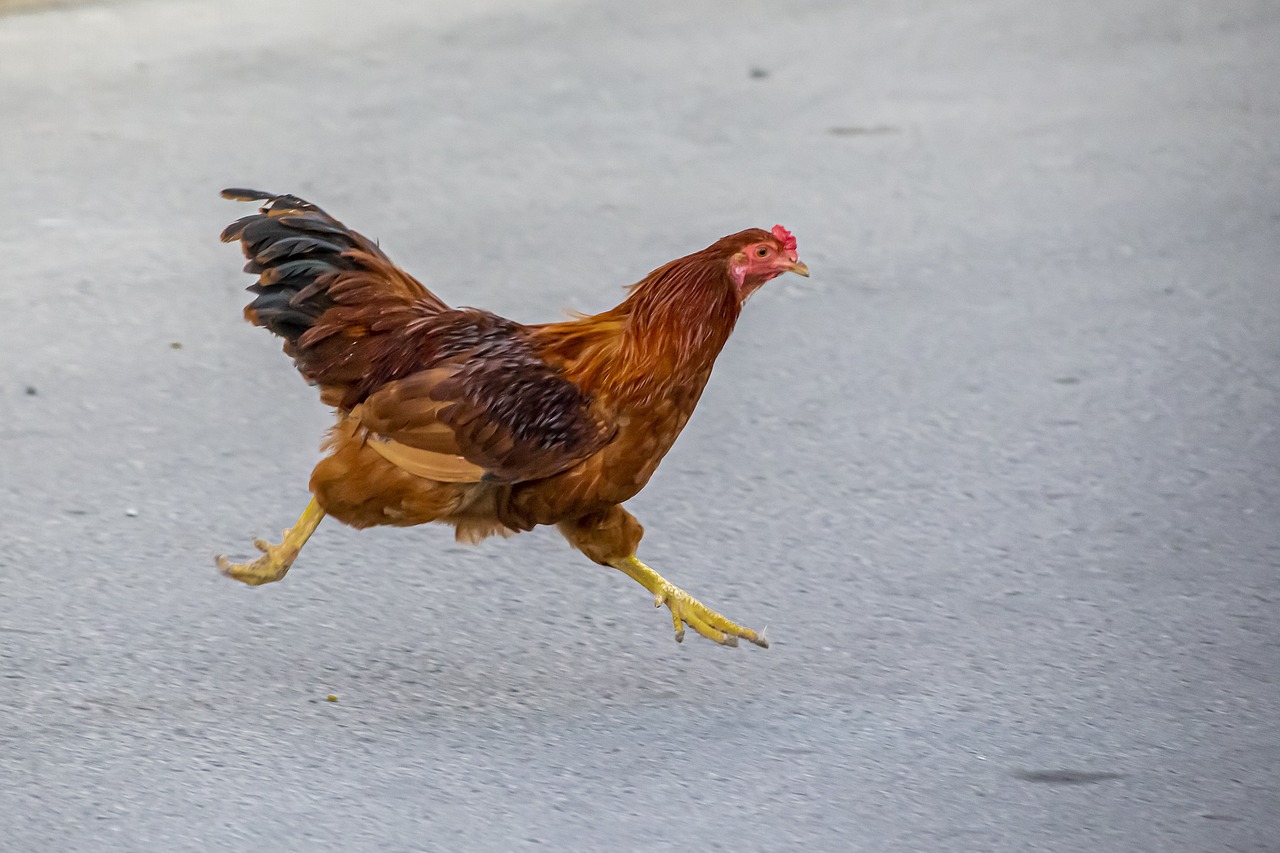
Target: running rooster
x=459, y=416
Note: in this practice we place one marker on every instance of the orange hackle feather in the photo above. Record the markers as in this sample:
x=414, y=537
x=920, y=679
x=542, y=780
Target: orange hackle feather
x=668, y=331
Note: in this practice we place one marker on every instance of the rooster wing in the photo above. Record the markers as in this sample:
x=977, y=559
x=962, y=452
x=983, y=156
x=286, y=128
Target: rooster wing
x=494, y=411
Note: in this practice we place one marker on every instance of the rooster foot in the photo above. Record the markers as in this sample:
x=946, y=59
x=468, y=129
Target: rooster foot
x=276, y=559
x=271, y=566
x=687, y=610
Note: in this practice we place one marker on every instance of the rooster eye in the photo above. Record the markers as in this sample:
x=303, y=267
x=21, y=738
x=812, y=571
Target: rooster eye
x=762, y=252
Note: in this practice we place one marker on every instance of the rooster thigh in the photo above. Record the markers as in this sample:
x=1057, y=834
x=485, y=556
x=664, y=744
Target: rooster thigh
x=358, y=487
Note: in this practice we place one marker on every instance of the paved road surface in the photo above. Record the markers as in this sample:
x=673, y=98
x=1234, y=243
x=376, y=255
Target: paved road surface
x=1002, y=478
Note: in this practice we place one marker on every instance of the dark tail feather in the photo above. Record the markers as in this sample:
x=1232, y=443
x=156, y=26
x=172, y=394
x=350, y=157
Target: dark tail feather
x=332, y=294
x=291, y=201
x=296, y=250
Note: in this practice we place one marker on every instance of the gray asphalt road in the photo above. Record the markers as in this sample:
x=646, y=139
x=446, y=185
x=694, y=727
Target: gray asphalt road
x=1002, y=478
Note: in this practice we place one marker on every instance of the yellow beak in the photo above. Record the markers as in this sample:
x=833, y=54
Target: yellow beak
x=800, y=269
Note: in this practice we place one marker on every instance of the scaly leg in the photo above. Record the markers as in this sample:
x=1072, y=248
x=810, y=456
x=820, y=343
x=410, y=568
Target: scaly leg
x=276, y=559
x=685, y=609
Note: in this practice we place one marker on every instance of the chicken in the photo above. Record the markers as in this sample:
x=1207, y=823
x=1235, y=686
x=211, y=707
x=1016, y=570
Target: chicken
x=459, y=416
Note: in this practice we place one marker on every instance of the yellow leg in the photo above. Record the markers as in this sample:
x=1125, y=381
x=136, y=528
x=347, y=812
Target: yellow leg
x=685, y=609
x=276, y=559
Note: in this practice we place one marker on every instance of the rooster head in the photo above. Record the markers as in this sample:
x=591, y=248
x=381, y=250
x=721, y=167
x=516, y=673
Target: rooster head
x=764, y=256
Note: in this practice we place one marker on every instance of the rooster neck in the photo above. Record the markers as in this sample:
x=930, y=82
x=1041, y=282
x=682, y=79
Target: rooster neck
x=673, y=335
x=659, y=345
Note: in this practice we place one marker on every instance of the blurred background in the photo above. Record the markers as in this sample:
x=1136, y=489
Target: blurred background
x=1002, y=477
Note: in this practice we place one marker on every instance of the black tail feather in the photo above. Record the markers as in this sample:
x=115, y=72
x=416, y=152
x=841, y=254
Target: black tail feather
x=330, y=292
x=271, y=199
x=295, y=248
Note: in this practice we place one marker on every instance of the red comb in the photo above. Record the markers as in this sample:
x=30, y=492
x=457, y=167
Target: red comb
x=784, y=237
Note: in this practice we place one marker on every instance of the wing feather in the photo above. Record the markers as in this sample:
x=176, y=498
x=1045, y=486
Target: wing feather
x=486, y=408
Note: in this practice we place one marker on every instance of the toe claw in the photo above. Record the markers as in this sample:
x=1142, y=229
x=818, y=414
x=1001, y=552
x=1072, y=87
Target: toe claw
x=262, y=545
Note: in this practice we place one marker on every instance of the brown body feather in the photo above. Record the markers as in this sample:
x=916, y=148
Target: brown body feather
x=463, y=417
